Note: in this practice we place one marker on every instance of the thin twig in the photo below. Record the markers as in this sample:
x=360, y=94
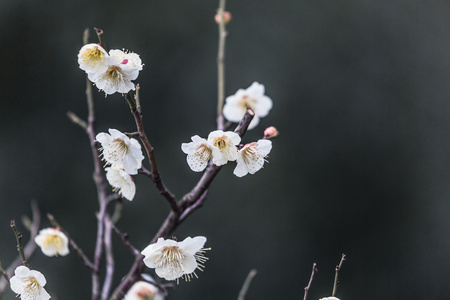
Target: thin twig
x=101, y=39
x=19, y=243
x=336, y=277
x=125, y=240
x=221, y=66
x=75, y=119
x=246, y=284
x=313, y=273
x=29, y=248
x=72, y=243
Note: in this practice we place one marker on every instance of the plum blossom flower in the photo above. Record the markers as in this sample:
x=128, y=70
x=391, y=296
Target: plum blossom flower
x=53, y=242
x=121, y=69
x=330, y=298
x=172, y=260
x=92, y=58
x=253, y=97
x=29, y=284
x=251, y=157
x=199, y=152
x=226, y=142
x=121, y=182
x=142, y=290
x=118, y=149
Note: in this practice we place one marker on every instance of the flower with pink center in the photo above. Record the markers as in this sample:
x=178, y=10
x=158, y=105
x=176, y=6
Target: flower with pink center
x=251, y=157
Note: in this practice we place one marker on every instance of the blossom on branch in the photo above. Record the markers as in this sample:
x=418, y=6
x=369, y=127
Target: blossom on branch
x=53, y=242
x=253, y=97
x=226, y=142
x=173, y=260
x=120, y=150
x=29, y=284
x=121, y=182
x=251, y=157
x=142, y=290
x=118, y=75
x=92, y=58
x=329, y=298
x=199, y=152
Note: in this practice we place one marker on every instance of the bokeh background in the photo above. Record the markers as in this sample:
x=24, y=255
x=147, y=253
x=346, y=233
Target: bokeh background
x=361, y=97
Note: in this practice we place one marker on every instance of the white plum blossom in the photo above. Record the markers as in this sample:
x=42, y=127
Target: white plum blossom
x=29, y=284
x=53, y=242
x=121, y=181
x=253, y=97
x=173, y=260
x=143, y=290
x=329, y=298
x=119, y=149
x=251, y=157
x=92, y=58
x=226, y=142
x=199, y=152
x=121, y=69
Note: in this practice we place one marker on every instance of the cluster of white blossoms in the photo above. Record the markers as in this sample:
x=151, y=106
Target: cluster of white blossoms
x=53, y=242
x=253, y=97
x=173, y=260
x=111, y=72
x=329, y=298
x=222, y=147
x=143, y=290
x=29, y=284
x=124, y=155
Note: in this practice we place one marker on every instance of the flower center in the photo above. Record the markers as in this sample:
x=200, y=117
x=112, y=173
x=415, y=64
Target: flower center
x=171, y=259
x=114, y=72
x=52, y=239
x=31, y=290
x=248, y=102
x=119, y=148
x=225, y=146
x=204, y=152
x=145, y=294
x=94, y=56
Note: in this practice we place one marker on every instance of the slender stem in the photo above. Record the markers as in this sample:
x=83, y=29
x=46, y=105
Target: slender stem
x=72, y=243
x=221, y=66
x=246, y=284
x=19, y=243
x=313, y=273
x=101, y=39
x=336, y=277
x=156, y=178
x=29, y=248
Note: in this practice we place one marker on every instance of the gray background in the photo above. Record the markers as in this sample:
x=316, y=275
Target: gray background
x=361, y=98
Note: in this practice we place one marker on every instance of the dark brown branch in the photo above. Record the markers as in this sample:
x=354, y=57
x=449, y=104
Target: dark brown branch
x=156, y=178
x=19, y=243
x=189, y=203
x=313, y=273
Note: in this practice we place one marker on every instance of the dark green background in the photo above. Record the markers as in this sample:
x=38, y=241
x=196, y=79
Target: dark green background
x=361, y=98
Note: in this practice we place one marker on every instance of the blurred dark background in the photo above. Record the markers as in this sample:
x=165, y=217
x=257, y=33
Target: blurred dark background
x=361, y=98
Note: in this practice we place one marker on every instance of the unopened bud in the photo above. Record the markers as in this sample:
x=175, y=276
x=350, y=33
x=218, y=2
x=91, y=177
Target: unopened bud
x=271, y=132
x=226, y=17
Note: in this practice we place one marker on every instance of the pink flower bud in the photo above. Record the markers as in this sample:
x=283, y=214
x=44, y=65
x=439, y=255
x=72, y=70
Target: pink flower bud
x=226, y=17
x=270, y=132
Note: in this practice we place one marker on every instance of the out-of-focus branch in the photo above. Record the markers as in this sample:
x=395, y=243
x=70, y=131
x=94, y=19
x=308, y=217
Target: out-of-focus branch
x=336, y=277
x=29, y=248
x=246, y=284
x=313, y=273
x=110, y=264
